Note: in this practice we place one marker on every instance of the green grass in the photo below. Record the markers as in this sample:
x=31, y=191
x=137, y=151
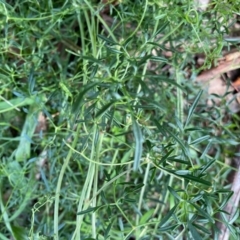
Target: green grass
x=131, y=150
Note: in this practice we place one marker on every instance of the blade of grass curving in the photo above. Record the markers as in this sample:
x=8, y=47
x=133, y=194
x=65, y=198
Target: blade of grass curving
x=205, y=167
x=193, y=107
x=165, y=157
x=164, y=79
x=138, y=148
x=107, y=40
x=145, y=218
x=159, y=59
x=193, y=231
x=88, y=210
x=164, y=221
x=104, y=108
x=195, y=179
x=168, y=228
x=9, y=105
x=180, y=142
x=199, y=140
x=202, y=212
x=4, y=211
x=107, y=230
x=78, y=101
x=163, y=26
x=174, y=193
x=202, y=228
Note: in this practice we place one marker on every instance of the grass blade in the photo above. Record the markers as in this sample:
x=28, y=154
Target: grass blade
x=138, y=148
x=194, y=232
x=193, y=107
x=168, y=216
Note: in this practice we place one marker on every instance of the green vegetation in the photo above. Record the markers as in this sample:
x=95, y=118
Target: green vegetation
x=104, y=134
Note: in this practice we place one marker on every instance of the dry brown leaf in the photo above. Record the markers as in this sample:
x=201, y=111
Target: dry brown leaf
x=230, y=62
x=236, y=84
x=212, y=79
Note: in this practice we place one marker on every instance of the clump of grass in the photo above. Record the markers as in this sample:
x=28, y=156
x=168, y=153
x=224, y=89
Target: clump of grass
x=126, y=153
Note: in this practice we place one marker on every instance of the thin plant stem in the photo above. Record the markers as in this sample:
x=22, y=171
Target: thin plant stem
x=59, y=183
x=86, y=190
x=141, y=197
x=95, y=185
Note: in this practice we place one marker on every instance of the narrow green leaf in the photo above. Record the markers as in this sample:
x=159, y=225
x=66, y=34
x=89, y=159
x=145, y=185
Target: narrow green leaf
x=160, y=127
x=235, y=217
x=146, y=216
x=106, y=232
x=31, y=81
x=223, y=191
x=199, y=140
x=127, y=41
x=107, y=40
x=130, y=200
x=206, y=149
x=194, y=232
x=78, y=101
x=92, y=59
x=202, y=228
x=138, y=148
x=179, y=160
x=202, y=212
x=195, y=179
x=103, y=197
x=19, y=233
x=232, y=39
x=234, y=234
x=229, y=226
x=23, y=150
x=9, y=105
x=157, y=45
x=90, y=209
x=168, y=228
x=133, y=188
x=109, y=210
x=165, y=157
x=166, y=80
x=226, y=199
x=137, y=187
x=193, y=107
x=205, y=167
x=125, y=183
x=94, y=70
x=163, y=25
x=180, y=142
x=158, y=17
x=183, y=172
x=159, y=59
x=113, y=50
x=164, y=221
x=197, y=198
x=174, y=193
x=120, y=224
x=194, y=129
x=104, y=108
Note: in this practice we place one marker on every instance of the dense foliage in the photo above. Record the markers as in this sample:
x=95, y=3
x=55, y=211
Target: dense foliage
x=104, y=134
